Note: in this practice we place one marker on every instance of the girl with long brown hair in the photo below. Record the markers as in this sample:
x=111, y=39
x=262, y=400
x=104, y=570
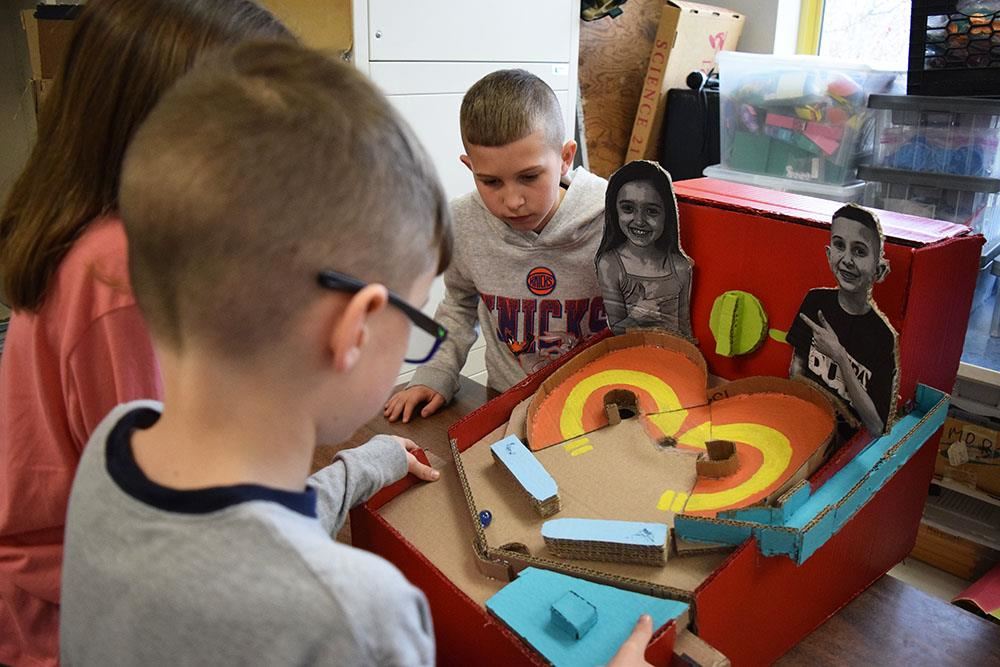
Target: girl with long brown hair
x=77, y=345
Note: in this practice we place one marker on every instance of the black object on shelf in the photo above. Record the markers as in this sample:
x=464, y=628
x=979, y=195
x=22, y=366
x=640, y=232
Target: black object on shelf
x=689, y=141
x=954, y=48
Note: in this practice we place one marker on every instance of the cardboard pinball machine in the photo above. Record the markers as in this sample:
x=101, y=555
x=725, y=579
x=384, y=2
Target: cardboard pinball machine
x=682, y=472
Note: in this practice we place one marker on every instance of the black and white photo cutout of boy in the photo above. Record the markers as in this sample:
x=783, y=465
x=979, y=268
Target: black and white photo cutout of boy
x=840, y=339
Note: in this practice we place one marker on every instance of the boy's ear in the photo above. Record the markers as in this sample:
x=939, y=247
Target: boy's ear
x=567, y=154
x=882, y=271
x=350, y=333
x=466, y=161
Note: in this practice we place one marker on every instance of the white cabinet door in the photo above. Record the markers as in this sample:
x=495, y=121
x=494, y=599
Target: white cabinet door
x=514, y=30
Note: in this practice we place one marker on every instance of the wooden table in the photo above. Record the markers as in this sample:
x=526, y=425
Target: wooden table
x=891, y=623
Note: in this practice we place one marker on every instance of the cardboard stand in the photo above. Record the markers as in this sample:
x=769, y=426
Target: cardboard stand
x=644, y=273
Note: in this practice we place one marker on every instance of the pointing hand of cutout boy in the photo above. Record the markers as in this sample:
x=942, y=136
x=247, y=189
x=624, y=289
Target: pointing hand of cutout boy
x=414, y=466
x=404, y=403
x=826, y=341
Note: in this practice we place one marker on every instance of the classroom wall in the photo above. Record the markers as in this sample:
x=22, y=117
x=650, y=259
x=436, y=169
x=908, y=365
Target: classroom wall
x=772, y=26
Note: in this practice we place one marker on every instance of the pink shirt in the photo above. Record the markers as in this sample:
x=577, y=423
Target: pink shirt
x=61, y=371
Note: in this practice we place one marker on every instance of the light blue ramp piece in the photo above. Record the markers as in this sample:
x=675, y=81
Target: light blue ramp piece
x=700, y=529
x=525, y=606
x=525, y=468
x=629, y=533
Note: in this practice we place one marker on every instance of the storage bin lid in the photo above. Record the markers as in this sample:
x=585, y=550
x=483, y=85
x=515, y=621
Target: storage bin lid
x=975, y=105
x=928, y=179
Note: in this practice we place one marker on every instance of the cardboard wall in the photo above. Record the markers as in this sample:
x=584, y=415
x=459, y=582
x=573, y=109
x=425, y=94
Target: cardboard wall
x=320, y=25
x=614, y=55
x=735, y=247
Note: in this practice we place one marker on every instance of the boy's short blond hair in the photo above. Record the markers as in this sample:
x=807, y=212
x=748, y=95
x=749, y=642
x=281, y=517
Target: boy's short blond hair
x=259, y=169
x=508, y=105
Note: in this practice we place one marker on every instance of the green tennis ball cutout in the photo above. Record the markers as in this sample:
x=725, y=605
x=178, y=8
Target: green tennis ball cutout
x=738, y=322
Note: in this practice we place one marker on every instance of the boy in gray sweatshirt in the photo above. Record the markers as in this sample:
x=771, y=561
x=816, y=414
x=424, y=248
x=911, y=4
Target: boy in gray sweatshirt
x=525, y=242
x=271, y=200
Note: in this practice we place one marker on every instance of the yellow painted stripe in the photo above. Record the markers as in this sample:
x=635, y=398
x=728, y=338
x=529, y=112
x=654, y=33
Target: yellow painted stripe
x=571, y=420
x=581, y=450
x=666, y=500
x=678, y=504
x=775, y=449
x=573, y=444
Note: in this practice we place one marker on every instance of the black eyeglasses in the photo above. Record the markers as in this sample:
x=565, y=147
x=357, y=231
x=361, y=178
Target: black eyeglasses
x=426, y=335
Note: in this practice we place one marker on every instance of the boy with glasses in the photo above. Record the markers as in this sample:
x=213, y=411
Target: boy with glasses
x=271, y=201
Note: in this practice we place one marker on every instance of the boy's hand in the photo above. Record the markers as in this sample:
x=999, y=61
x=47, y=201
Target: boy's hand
x=404, y=403
x=826, y=341
x=632, y=652
x=413, y=466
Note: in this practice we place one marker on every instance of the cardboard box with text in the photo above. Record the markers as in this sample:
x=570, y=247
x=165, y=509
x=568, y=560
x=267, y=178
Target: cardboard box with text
x=688, y=38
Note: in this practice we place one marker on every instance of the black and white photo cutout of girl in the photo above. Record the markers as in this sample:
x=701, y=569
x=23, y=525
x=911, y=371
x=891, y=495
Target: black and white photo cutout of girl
x=644, y=274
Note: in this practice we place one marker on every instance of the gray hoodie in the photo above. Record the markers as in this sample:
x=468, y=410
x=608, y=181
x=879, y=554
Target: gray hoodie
x=535, y=295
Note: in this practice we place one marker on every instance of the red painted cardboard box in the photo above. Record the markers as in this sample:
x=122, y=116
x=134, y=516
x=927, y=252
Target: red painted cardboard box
x=752, y=607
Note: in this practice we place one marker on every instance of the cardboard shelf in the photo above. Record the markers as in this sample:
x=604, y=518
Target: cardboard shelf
x=952, y=485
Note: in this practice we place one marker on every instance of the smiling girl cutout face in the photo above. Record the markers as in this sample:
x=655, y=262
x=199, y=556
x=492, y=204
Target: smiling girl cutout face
x=644, y=274
x=641, y=213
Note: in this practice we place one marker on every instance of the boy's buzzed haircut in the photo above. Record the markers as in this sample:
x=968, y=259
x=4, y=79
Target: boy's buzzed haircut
x=863, y=216
x=508, y=105
x=256, y=171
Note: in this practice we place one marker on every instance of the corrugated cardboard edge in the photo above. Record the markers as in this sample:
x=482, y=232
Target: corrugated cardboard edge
x=693, y=650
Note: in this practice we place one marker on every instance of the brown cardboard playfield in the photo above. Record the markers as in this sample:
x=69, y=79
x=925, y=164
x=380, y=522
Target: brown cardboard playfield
x=448, y=540
x=620, y=472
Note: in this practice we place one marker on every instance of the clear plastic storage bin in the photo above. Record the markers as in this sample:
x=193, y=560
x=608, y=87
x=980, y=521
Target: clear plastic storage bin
x=944, y=135
x=802, y=118
x=967, y=200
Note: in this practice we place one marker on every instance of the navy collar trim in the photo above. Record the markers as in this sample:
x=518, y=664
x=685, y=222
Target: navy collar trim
x=126, y=473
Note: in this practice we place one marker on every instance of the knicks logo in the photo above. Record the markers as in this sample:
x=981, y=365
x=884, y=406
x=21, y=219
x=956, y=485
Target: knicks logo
x=541, y=281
